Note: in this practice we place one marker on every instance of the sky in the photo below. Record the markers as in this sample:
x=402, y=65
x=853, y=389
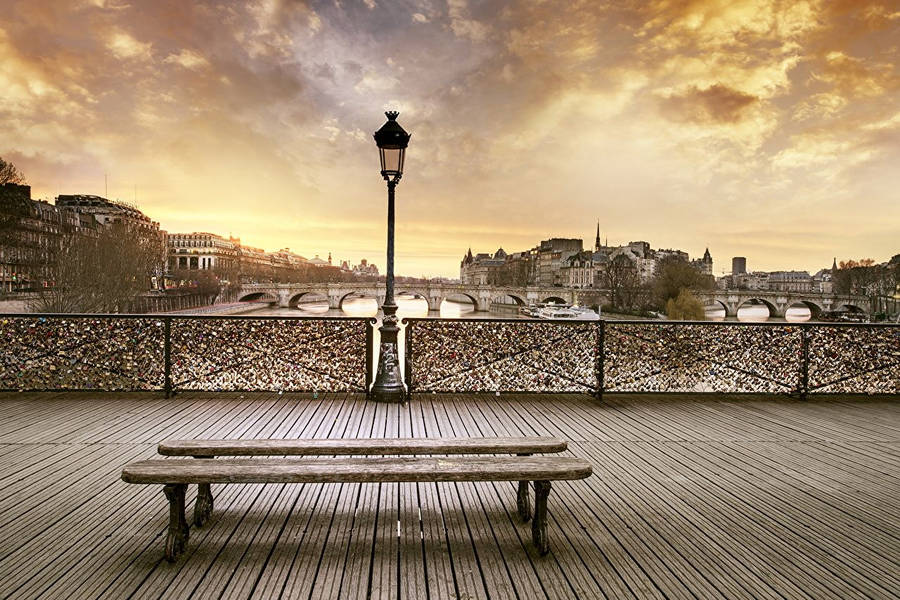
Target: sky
x=761, y=128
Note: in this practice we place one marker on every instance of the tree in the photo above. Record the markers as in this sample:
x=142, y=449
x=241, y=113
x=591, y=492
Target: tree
x=855, y=277
x=198, y=281
x=9, y=173
x=673, y=275
x=685, y=307
x=622, y=281
x=100, y=272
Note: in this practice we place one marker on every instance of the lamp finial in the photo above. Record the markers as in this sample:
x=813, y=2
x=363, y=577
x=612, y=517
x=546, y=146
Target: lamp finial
x=392, y=115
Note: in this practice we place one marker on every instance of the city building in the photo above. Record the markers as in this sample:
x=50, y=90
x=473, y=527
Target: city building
x=364, y=269
x=318, y=262
x=106, y=211
x=579, y=271
x=703, y=265
x=738, y=265
x=551, y=256
x=790, y=281
x=202, y=251
x=30, y=232
x=641, y=257
x=482, y=268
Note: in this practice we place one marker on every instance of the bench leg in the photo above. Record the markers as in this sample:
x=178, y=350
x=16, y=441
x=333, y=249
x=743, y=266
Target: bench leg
x=523, y=501
x=177, y=538
x=539, y=525
x=204, y=506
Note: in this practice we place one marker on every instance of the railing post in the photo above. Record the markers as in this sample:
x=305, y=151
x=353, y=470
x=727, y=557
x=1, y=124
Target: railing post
x=370, y=325
x=167, y=353
x=408, y=359
x=599, y=361
x=804, y=362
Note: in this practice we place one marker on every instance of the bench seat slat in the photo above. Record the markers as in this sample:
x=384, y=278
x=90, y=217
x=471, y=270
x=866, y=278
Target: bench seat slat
x=364, y=446
x=365, y=470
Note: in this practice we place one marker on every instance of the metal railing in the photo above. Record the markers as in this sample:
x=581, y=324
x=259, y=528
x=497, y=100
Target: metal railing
x=172, y=353
x=175, y=353
x=512, y=355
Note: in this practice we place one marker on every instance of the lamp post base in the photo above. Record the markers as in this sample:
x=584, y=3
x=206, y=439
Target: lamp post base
x=388, y=386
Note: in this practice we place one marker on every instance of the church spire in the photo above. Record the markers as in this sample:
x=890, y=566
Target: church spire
x=834, y=265
x=597, y=240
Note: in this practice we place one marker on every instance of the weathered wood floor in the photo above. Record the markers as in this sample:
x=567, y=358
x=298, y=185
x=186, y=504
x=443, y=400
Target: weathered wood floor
x=691, y=498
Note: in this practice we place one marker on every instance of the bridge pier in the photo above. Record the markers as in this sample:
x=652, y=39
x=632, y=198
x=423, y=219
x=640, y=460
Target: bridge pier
x=731, y=308
x=334, y=300
x=284, y=298
x=434, y=302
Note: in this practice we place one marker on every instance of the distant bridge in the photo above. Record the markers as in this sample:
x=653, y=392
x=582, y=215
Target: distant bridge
x=484, y=296
x=778, y=302
x=481, y=296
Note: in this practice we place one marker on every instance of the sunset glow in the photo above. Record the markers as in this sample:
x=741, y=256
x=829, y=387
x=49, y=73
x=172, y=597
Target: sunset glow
x=757, y=128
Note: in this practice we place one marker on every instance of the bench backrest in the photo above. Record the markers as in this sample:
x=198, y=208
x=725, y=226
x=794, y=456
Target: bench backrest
x=361, y=447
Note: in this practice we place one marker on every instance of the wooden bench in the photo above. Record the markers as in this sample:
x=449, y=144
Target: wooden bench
x=522, y=446
x=175, y=475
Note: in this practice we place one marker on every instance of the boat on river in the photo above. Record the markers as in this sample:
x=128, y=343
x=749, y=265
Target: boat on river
x=560, y=311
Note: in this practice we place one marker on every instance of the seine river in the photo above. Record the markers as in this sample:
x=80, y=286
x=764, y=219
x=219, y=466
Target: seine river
x=408, y=306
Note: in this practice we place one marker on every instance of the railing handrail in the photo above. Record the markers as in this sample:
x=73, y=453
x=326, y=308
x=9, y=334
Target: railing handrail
x=161, y=316
x=653, y=322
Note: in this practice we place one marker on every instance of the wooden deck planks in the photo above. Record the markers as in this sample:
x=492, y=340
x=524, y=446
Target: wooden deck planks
x=691, y=497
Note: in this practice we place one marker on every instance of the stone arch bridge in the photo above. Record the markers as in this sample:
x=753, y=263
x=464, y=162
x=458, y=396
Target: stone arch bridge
x=779, y=302
x=482, y=296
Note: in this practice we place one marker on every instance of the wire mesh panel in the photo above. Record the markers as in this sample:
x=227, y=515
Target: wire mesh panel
x=647, y=357
x=62, y=352
x=245, y=354
x=461, y=355
x=861, y=359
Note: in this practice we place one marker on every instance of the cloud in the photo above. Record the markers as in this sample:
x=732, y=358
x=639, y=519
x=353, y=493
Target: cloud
x=462, y=25
x=187, y=59
x=717, y=103
x=675, y=120
x=124, y=46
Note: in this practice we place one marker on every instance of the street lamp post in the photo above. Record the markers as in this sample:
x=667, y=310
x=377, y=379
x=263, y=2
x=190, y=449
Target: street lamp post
x=392, y=141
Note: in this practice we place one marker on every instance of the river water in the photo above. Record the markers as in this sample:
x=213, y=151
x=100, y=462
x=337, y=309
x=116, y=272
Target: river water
x=408, y=306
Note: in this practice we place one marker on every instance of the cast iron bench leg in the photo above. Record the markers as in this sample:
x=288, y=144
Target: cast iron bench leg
x=539, y=525
x=523, y=500
x=204, y=505
x=179, y=531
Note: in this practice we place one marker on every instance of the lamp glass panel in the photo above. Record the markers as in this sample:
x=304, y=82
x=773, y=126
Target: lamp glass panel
x=392, y=160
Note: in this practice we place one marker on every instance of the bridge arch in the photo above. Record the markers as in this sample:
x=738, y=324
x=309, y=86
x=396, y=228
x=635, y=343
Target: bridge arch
x=815, y=310
x=715, y=303
x=258, y=297
x=356, y=294
x=295, y=299
x=852, y=307
x=773, y=310
x=412, y=292
x=553, y=299
x=515, y=298
x=455, y=293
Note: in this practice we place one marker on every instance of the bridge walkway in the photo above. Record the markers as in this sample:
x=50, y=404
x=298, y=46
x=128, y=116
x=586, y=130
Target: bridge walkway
x=762, y=497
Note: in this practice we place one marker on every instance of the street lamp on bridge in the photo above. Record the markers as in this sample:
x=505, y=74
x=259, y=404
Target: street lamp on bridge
x=392, y=141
